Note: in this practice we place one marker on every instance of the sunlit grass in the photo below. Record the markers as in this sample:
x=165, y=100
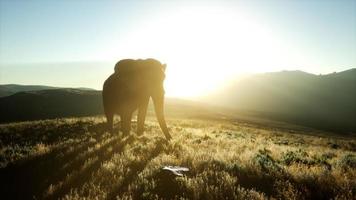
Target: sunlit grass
x=76, y=159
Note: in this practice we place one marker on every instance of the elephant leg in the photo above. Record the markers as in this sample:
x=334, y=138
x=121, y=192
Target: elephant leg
x=141, y=116
x=126, y=123
x=110, y=119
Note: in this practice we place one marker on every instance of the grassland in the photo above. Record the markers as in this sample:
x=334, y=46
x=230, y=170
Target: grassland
x=78, y=159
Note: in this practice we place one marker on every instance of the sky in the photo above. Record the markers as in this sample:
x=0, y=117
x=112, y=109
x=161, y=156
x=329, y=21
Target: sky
x=204, y=43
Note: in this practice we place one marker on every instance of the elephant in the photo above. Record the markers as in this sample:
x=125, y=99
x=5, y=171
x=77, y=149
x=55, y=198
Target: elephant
x=130, y=88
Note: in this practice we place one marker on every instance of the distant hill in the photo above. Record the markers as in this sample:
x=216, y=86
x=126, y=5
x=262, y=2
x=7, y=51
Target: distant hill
x=53, y=103
x=320, y=101
x=345, y=75
x=9, y=89
x=62, y=102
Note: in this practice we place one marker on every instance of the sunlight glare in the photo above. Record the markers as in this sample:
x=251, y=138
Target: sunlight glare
x=202, y=48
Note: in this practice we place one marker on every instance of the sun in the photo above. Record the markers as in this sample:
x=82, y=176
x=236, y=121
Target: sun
x=202, y=47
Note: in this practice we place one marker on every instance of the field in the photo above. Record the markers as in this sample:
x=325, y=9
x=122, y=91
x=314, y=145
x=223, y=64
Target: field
x=76, y=158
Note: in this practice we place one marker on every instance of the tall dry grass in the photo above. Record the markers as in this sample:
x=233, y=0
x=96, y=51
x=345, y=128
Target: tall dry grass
x=78, y=159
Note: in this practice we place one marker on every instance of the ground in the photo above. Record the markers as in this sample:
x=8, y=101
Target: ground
x=76, y=158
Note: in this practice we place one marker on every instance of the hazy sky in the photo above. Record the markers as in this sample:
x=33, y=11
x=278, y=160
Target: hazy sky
x=76, y=43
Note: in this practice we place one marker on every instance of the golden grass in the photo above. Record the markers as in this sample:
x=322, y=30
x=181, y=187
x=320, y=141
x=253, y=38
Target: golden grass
x=77, y=159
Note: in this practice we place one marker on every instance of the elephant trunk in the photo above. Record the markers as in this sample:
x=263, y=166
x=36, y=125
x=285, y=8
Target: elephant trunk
x=159, y=105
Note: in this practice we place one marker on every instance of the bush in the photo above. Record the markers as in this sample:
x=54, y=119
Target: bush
x=266, y=162
x=348, y=161
x=291, y=157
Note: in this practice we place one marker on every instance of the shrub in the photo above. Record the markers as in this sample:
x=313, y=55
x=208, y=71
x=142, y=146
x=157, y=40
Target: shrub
x=291, y=157
x=348, y=161
x=266, y=162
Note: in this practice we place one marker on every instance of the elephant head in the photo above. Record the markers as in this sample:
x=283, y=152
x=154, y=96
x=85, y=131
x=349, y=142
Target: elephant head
x=134, y=83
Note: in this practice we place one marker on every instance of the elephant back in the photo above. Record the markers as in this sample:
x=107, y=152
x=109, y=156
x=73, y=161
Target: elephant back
x=140, y=71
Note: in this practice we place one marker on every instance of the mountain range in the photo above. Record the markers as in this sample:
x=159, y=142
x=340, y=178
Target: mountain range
x=9, y=89
x=47, y=102
x=320, y=101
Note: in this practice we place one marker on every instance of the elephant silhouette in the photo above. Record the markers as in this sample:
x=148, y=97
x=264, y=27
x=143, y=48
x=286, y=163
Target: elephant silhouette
x=130, y=88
